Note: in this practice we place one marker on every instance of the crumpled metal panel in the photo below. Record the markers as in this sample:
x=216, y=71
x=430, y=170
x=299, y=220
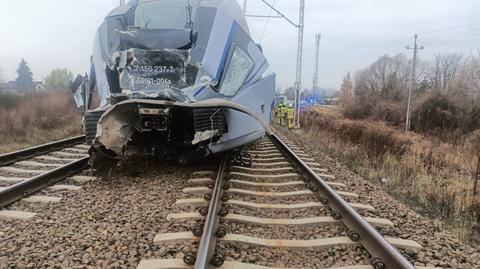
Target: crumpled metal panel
x=156, y=74
x=224, y=28
x=117, y=124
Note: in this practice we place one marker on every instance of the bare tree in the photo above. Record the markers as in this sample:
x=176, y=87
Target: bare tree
x=347, y=85
x=290, y=93
x=379, y=91
x=364, y=84
x=386, y=78
x=466, y=82
x=346, y=90
x=444, y=69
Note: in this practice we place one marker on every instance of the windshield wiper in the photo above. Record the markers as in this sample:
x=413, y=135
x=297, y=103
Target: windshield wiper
x=188, y=10
x=147, y=22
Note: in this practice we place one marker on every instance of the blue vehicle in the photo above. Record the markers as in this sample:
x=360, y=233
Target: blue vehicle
x=180, y=79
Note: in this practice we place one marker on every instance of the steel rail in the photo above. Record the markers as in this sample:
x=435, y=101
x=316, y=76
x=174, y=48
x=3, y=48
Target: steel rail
x=206, y=248
x=11, y=157
x=383, y=253
x=27, y=187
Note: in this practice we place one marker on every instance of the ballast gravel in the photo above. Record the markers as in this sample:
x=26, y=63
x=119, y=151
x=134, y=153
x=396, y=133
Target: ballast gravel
x=298, y=213
x=112, y=223
x=109, y=223
x=281, y=257
x=287, y=232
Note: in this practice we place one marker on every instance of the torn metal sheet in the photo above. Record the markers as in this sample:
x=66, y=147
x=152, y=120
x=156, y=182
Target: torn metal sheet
x=153, y=70
x=119, y=123
x=203, y=136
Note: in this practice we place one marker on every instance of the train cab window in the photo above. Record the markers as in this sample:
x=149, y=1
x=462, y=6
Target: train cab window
x=164, y=13
x=236, y=73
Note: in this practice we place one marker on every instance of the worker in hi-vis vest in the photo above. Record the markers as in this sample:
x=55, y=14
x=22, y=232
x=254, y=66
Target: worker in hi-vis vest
x=277, y=114
x=283, y=115
x=290, y=116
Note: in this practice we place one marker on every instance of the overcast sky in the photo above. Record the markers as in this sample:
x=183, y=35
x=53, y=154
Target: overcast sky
x=59, y=33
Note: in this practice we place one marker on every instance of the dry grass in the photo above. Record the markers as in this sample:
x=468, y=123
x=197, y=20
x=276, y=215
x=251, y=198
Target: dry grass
x=431, y=176
x=38, y=118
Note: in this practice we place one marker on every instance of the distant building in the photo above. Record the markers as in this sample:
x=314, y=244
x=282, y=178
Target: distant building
x=11, y=86
x=39, y=86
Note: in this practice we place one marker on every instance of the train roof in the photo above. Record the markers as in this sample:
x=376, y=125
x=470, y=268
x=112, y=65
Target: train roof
x=230, y=7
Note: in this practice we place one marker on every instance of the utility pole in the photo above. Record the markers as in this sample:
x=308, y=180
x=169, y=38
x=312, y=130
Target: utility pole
x=315, y=68
x=476, y=178
x=298, y=78
x=244, y=7
x=122, y=2
x=412, y=81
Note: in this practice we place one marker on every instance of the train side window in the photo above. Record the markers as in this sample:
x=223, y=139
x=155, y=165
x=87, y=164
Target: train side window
x=237, y=71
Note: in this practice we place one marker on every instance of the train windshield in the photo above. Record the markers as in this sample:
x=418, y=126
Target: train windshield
x=165, y=13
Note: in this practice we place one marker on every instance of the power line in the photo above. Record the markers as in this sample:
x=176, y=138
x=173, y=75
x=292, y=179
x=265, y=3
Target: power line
x=395, y=51
x=454, y=39
x=266, y=22
x=451, y=28
x=282, y=15
x=298, y=76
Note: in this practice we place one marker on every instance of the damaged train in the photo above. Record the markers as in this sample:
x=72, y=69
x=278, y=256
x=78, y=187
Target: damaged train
x=179, y=79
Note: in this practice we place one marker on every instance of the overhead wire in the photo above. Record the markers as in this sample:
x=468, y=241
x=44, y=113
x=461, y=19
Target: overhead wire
x=451, y=28
x=464, y=37
x=453, y=39
x=266, y=22
x=449, y=41
x=395, y=51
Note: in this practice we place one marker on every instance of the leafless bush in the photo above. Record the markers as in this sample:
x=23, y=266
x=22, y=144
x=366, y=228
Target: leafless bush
x=9, y=100
x=425, y=173
x=38, y=118
x=444, y=69
x=446, y=95
x=377, y=139
x=389, y=111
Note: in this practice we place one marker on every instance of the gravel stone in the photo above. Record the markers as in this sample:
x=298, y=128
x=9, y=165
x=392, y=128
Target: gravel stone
x=109, y=223
x=281, y=257
x=293, y=232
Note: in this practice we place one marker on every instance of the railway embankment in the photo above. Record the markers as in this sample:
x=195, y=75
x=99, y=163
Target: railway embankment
x=433, y=178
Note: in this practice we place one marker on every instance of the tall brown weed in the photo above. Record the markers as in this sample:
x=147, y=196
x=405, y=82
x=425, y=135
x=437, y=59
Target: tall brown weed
x=434, y=177
x=38, y=118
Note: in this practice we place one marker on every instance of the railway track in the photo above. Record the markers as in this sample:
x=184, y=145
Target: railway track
x=282, y=210
x=31, y=175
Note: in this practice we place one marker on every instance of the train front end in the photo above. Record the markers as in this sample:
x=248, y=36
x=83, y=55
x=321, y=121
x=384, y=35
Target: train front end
x=176, y=79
